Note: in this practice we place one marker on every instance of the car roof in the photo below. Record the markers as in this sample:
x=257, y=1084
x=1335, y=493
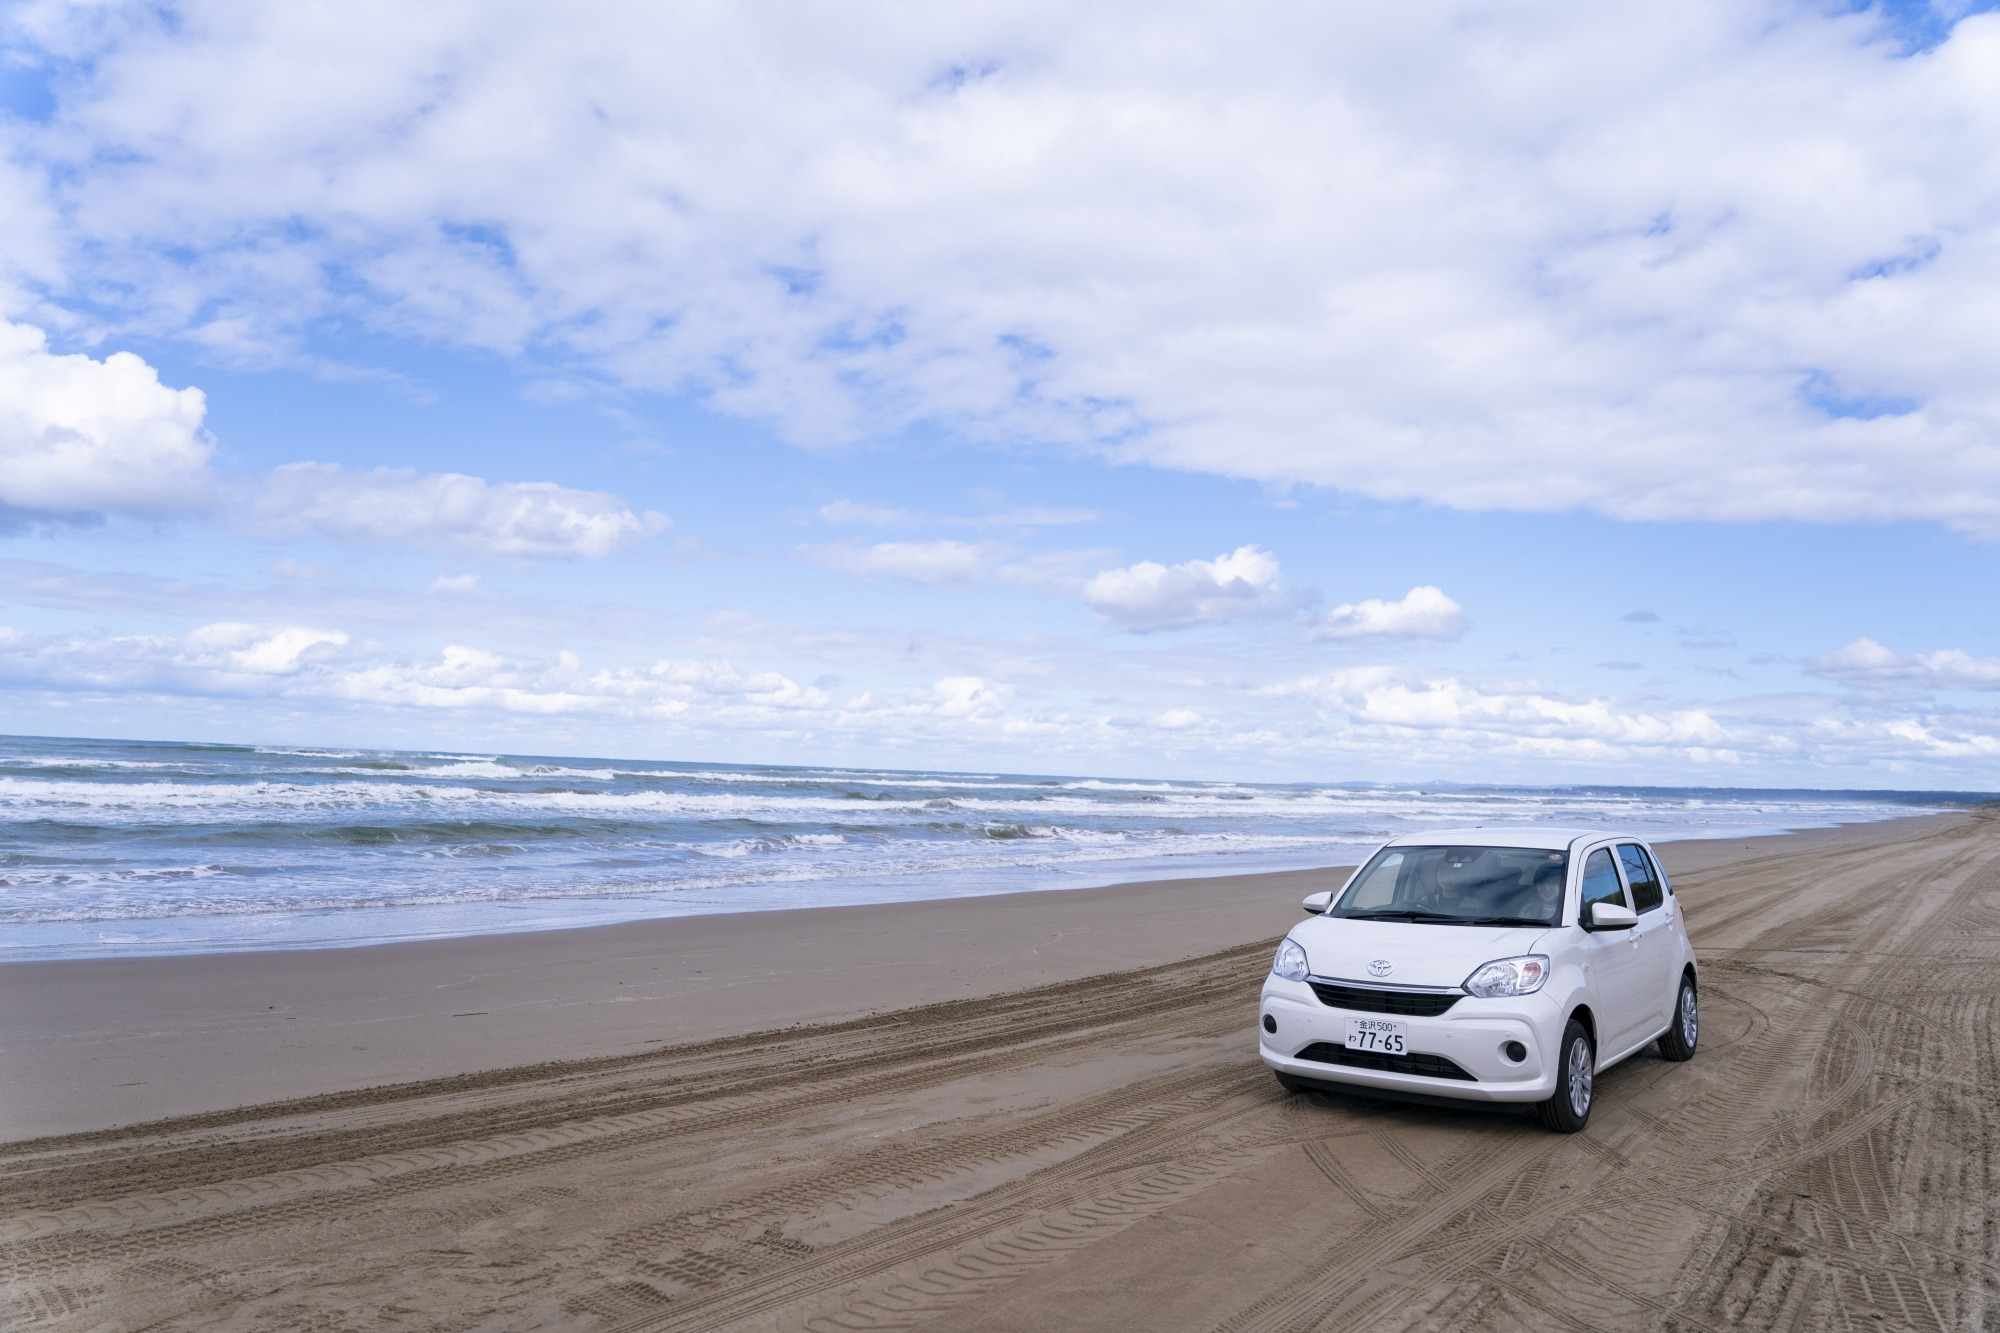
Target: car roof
x=1551, y=839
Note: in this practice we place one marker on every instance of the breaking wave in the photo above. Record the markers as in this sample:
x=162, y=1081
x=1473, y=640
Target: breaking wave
x=121, y=847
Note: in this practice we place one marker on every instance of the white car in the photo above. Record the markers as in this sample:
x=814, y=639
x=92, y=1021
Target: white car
x=1486, y=965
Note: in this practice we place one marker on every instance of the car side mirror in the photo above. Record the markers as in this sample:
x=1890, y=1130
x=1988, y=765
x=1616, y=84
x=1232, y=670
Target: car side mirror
x=1612, y=916
x=1317, y=903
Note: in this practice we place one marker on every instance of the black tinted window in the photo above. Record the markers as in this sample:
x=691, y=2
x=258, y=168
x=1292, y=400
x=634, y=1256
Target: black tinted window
x=1639, y=873
x=1600, y=881
x=1459, y=883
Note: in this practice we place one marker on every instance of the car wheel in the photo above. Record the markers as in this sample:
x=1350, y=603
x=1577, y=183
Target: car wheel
x=1576, y=1082
x=1678, y=1041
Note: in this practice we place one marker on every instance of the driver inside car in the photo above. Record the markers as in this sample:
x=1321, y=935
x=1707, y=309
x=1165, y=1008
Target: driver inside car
x=1442, y=893
x=1463, y=888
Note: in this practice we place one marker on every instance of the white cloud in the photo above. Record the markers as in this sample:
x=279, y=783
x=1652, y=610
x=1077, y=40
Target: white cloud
x=1429, y=716
x=1014, y=516
x=1397, y=706
x=967, y=696
x=1029, y=516
x=79, y=435
x=1866, y=664
x=1374, y=720
x=920, y=562
x=443, y=511
x=294, y=663
x=880, y=516
x=1725, y=259
x=1423, y=613
x=462, y=677
x=297, y=662
x=455, y=583
x=218, y=659
x=1152, y=596
x=255, y=651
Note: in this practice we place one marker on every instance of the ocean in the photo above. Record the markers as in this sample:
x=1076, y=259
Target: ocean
x=125, y=847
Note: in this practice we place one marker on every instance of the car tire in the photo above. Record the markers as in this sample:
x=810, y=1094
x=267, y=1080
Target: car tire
x=1677, y=1043
x=1576, y=1082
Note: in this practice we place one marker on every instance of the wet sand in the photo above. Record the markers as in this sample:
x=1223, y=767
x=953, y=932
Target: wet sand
x=1053, y=1118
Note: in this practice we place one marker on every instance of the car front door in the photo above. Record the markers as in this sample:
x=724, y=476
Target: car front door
x=1653, y=938
x=1612, y=960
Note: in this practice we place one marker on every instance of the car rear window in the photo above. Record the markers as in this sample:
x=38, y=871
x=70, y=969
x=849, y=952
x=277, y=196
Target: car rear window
x=1459, y=886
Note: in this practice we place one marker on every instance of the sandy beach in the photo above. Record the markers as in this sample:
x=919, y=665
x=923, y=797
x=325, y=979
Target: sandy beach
x=1024, y=1111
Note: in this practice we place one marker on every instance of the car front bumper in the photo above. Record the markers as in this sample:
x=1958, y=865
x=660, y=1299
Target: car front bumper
x=1472, y=1034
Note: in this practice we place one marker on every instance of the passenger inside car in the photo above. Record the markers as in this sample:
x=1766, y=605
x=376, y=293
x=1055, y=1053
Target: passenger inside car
x=1542, y=897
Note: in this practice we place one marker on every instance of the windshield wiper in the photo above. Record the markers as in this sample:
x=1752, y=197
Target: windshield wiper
x=1447, y=918
x=1400, y=914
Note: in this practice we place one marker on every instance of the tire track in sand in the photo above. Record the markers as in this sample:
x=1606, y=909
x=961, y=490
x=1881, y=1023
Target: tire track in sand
x=953, y=1165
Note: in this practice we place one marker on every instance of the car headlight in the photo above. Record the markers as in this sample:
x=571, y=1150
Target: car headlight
x=1290, y=964
x=1508, y=976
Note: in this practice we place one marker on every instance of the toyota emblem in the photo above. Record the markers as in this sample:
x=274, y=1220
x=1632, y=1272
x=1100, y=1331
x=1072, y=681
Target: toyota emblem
x=1380, y=968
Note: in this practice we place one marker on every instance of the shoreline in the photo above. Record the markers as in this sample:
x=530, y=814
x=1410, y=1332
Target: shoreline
x=90, y=1043
x=748, y=905
x=611, y=913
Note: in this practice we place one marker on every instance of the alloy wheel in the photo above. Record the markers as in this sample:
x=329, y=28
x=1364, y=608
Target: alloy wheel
x=1581, y=1078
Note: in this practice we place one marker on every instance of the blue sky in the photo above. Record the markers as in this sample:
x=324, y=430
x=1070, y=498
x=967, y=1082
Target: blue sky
x=1535, y=393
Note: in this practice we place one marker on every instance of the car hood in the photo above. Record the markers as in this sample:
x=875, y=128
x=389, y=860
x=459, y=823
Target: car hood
x=1417, y=954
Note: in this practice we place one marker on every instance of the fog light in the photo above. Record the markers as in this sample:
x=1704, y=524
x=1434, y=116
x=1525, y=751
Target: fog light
x=1514, y=1051
x=1270, y=1023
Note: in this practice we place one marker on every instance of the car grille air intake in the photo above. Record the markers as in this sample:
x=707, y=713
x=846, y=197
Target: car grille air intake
x=1429, y=1066
x=1368, y=999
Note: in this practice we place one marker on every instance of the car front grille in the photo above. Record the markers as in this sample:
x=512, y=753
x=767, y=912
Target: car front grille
x=1429, y=1066
x=1367, y=999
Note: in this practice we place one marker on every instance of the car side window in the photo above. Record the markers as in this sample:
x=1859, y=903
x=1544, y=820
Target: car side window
x=1600, y=882
x=1639, y=873
x=1379, y=889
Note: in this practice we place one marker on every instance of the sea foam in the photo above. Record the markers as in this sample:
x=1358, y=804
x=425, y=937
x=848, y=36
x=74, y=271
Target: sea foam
x=115, y=847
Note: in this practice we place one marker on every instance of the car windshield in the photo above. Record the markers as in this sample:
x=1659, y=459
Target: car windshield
x=1459, y=886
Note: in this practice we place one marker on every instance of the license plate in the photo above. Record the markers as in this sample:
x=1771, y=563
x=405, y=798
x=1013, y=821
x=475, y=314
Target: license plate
x=1378, y=1035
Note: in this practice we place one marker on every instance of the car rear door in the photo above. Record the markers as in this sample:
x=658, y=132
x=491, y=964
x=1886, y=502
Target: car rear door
x=1653, y=938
